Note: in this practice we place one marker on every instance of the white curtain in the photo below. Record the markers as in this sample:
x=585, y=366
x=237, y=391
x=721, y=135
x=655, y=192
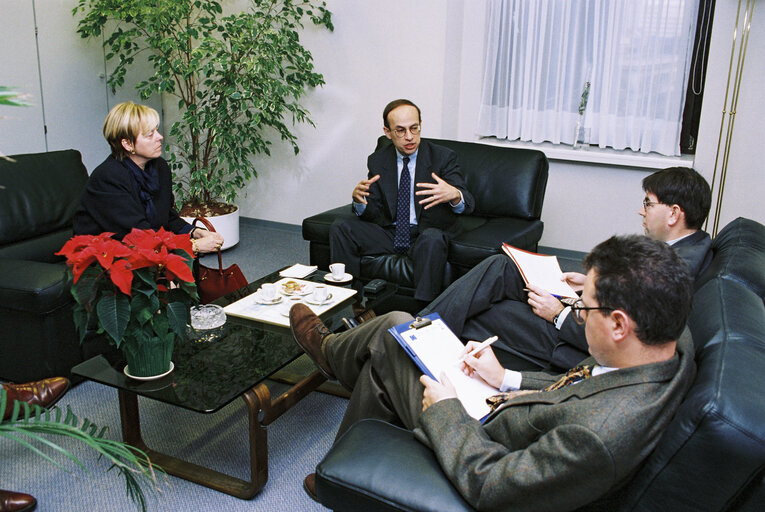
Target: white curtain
x=635, y=53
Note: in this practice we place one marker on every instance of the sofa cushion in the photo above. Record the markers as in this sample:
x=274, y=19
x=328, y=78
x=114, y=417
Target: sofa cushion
x=500, y=180
x=739, y=248
x=469, y=248
x=363, y=471
x=28, y=211
x=32, y=286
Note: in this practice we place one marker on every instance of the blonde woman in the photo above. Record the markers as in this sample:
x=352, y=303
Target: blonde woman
x=132, y=188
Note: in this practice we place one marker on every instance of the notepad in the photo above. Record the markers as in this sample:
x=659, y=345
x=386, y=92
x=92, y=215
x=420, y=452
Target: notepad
x=540, y=270
x=436, y=349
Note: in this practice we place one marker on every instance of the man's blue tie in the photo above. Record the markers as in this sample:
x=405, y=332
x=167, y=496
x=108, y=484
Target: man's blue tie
x=401, y=237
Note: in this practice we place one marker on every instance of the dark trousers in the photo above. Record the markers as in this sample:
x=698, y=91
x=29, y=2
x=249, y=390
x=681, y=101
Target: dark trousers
x=352, y=238
x=383, y=379
x=489, y=300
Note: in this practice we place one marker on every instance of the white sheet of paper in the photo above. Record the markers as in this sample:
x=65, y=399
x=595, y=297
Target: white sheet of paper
x=540, y=270
x=440, y=350
x=298, y=270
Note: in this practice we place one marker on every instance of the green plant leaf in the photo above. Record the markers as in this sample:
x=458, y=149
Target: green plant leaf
x=114, y=315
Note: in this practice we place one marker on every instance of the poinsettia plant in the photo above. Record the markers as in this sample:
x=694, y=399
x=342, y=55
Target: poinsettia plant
x=140, y=288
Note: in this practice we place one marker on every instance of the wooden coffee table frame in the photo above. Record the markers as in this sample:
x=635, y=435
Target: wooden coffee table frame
x=261, y=411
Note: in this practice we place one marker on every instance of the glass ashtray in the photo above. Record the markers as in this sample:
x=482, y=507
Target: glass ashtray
x=208, y=323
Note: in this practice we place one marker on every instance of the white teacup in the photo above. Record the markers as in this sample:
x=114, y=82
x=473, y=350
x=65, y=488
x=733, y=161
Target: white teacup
x=268, y=291
x=338, y=270
x=320, y=293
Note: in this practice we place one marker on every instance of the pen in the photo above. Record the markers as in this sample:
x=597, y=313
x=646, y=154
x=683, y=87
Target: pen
x=485, y=343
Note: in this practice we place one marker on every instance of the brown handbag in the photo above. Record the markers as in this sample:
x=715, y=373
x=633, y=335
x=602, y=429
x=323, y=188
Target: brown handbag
x=213, y=283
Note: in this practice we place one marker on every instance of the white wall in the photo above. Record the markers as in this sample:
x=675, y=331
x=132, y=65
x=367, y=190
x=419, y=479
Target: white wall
x=430, y=51
x=584, y=204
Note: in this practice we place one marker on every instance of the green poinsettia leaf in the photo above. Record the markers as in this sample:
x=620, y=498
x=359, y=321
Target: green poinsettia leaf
x=114, y=315
x=178, y=317
x=141, y=307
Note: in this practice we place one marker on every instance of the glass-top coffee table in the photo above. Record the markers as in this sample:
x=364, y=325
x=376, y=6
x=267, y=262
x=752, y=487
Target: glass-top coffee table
x=209, y=375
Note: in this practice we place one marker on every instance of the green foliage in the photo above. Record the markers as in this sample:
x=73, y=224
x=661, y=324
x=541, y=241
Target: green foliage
x=31, y=426
x=238, y=79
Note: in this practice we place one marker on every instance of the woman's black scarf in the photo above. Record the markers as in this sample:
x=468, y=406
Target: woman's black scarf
x=147, y=180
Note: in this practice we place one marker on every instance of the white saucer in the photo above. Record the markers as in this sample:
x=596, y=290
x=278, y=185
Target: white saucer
x=266, y=302
x=150, y=377
x=346, y=277
x=311, y=300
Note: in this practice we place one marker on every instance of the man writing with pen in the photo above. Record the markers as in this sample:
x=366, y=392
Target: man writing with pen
x=553, y=442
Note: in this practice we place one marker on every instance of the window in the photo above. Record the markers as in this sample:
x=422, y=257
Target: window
x=636, y=54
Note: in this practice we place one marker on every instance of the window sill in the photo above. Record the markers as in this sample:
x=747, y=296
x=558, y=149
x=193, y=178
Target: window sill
x=596, y=155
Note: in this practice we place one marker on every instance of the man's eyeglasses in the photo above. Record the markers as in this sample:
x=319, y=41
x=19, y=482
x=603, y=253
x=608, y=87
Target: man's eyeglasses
x=401, y=132
x=647, y=204
x=578, y=309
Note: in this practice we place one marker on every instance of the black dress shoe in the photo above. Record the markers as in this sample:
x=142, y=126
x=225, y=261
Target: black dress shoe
x=44, y=393
x=16, y=502
x=309, y=484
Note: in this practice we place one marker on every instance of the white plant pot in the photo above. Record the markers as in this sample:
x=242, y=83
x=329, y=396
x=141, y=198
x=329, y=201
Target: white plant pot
x=227, y=225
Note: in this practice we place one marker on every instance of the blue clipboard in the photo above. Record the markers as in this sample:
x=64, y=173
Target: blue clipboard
x=398, y=333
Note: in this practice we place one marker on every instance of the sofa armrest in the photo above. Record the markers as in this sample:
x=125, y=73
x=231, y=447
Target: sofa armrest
x=33, y=286
x=376, y=466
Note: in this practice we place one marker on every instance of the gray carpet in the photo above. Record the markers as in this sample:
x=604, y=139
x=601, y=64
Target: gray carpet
x=296, y=442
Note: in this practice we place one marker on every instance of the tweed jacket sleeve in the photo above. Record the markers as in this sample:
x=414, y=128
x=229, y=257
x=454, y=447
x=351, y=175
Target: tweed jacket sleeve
x=560, y=449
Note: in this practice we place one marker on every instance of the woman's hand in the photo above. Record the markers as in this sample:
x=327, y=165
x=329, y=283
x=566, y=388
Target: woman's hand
x=207, y=241
x=484, y=363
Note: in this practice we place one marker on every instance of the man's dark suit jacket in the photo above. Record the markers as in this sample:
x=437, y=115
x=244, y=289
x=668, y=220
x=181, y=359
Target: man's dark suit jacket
x=431, y=158
x=695, y=250
x=111, y=202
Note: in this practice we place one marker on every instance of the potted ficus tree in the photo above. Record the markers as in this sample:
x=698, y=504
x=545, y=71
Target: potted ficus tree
x=237, y=78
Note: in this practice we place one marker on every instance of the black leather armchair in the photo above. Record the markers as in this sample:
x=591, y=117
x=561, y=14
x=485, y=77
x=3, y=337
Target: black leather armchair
x=711, y=458
x=39, y=196
x=508, y=185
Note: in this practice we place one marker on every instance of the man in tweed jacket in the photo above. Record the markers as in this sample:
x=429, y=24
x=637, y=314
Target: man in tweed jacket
x=539, y=449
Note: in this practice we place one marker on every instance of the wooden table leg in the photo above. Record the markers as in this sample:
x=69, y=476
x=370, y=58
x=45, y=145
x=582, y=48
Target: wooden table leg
x=257, y=399
x=131, y=434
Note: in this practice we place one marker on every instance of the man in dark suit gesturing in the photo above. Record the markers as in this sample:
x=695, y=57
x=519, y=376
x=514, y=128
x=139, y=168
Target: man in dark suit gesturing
x=408, y=204
x=551, y=442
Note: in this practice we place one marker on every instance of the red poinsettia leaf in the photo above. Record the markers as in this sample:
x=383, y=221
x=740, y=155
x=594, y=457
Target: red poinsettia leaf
x=122, y=276
x=177, y=266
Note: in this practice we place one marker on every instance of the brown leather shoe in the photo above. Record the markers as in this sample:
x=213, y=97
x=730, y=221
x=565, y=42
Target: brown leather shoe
x=44, y=393
x=309, y=484
x=309, y=332
x=16, y=502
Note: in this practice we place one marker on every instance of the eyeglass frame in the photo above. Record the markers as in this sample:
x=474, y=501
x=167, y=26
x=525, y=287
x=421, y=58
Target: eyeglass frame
x=647, y=204
x=578, y=306
x=400, y=132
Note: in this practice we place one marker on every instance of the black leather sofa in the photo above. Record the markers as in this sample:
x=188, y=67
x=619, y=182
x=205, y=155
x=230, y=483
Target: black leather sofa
x=711, y=458
x=37, y=201
x=509, y=188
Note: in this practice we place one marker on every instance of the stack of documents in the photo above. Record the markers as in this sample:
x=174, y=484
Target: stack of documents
x=298, y=271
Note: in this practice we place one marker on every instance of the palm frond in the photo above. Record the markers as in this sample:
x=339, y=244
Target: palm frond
x=31, y=426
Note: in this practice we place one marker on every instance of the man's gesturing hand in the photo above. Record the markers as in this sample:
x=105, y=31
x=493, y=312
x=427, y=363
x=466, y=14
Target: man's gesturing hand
x=361, y=191
x=437, y=193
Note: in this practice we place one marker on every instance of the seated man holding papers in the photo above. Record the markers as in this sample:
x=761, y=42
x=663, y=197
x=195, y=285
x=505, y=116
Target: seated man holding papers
x=551, y=442
x=531, y=323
